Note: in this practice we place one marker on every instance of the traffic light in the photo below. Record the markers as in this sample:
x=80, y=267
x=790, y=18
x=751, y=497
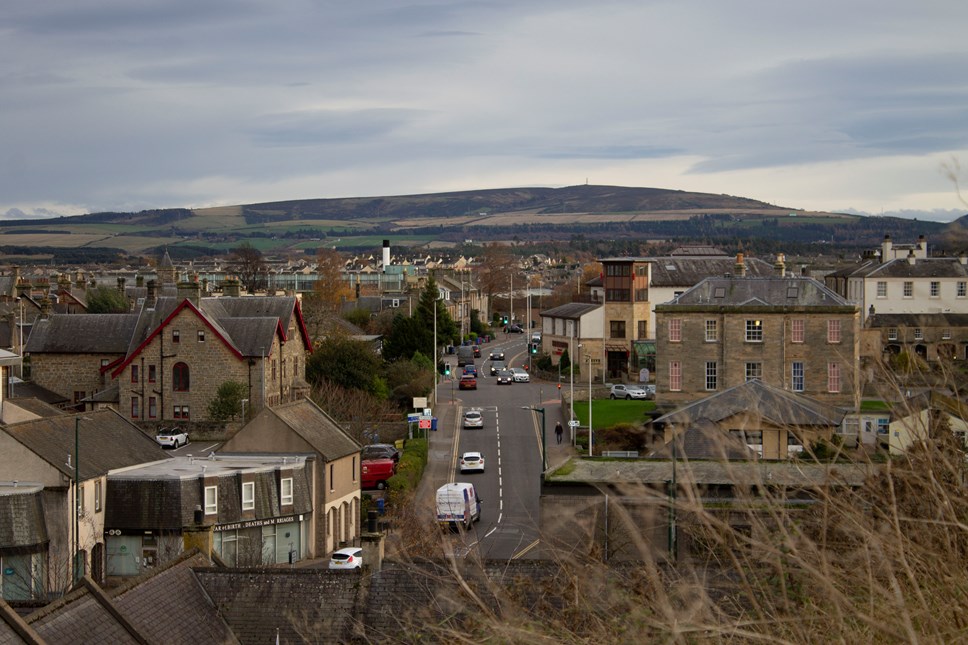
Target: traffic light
x=504, y=320
x=534, y=348
x=446, y=369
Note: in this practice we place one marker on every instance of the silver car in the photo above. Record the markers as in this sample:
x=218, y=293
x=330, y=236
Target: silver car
x=520, y=376
x=621, y=391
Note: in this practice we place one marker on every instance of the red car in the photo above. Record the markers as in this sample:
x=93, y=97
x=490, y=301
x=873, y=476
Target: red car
x=468, y=382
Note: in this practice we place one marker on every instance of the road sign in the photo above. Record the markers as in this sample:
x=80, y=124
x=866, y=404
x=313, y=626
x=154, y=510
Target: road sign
x=425, y=423
x=413, y=417
x=573, y=423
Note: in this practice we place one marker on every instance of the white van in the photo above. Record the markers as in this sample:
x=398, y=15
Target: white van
x=458, y=504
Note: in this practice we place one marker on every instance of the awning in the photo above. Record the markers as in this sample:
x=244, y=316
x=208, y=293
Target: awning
x=616, y=348
x=643, y=347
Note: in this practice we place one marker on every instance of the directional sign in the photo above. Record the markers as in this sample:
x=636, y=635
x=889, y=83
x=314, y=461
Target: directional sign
x=573, y=423
x=413, y=417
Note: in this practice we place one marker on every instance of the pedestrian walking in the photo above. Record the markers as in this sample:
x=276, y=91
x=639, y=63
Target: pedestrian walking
x=558, y=432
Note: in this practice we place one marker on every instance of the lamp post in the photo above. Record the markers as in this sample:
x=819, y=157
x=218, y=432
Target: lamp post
x=544, y=445
x=243, y=402
x=77, y=489
x=571, y=370
x=590, y=432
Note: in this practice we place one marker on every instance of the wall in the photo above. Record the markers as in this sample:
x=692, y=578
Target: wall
x=69, y=373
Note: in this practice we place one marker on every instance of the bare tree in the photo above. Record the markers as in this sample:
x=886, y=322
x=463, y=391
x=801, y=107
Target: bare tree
x=248, y=263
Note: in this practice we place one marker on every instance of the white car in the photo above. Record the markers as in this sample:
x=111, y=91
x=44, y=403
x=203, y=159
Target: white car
x=348, y=558
x=472, y=462
x=621, y=391
x=473, y=419
x=519, y=375
x=171, y=437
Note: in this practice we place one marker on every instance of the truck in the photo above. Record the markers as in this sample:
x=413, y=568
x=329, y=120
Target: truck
x=465, y=355
x=374, y=473
x=458, y=505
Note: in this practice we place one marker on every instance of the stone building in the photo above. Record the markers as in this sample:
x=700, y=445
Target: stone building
x=183, y=349
x=790, y=332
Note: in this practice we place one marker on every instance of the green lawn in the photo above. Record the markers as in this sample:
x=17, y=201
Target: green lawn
x=608, y=412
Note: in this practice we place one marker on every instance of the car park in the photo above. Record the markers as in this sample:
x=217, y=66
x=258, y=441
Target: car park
x=519, y=375
x=622, y=391
x=473, y=419
x=504, y=377
x=380, y=451
x=497, y=356
x=472, y=462
x=497, y=366
x=171, y=437
x=467, y=382
x=348, y=558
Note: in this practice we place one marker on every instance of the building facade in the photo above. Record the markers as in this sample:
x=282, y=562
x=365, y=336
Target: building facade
x=790, y=332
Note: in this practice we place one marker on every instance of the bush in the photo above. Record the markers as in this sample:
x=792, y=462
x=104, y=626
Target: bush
x=410, y=469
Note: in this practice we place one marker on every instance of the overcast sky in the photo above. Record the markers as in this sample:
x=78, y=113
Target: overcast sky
x=134, y=104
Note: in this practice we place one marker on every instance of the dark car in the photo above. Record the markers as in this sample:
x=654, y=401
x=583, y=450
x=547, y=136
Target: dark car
x=497, y=356
x=515, y=329
x=496, y=367
x=504, y=377
x=477, y=351
x=380, y=451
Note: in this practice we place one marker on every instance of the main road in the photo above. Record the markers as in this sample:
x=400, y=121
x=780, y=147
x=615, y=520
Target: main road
x=511, y=444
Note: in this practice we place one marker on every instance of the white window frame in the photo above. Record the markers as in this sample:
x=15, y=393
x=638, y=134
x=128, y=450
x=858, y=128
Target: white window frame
x=908, y=289
x=712, y=331
x=675, y=376
x=712, y=376
x=675, y=330
x=754, y=330
x=833, y=377
x=935, y=289
x=248, y=496
x=211, y=500
x=918, y=333
x=961, y=290
x=285, y=491
x=754, y=371
x=892, y=333
x=882, y=289
x=797, y=377
x=798, y=330
x=833, y=331
x=945, y=334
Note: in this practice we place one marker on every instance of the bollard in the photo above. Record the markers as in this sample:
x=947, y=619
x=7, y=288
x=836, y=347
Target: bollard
x=371, y=521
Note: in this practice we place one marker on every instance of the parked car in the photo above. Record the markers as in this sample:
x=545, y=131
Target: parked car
x=374, y=473
x=472, y=462
x=470, y=369
x=504, y=377
x=519, y=375
x=171, y=437
x=380, y=451
x=497, y=366
x=473, y=419
x=515, y=329
x=467, y=382
x=622, y=391
x=497, y=356
x=348, y=558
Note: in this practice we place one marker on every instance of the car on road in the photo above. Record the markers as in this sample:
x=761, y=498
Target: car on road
x=467, y=382
x=472, y=462
x=171, y=437
x=504, y=377
x=497, y=356
x=477, y=351
x=519, y=375
x=515, y=329
x=471, y=369
x=380, y=451
x=348, y=558
x=497, y=366
x=622, y=391
x=473, y=419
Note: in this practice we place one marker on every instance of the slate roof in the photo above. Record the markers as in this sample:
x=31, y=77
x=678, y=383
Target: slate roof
x=29, y=390
x=14, y=629
x=774, y=291
x=22, y=521
x=85, y=615
x=317, y=428
x=81, y=334
x=304, y=605
x=779, y=406
x=902, y=268
x=173, y=591
x=35, y=406
x=682, y=271
x=570, y=311
x=917, y=320
x=107, y=441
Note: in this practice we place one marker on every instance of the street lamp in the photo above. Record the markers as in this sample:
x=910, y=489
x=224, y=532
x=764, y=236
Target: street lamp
x=590, y=432
x=243, y=402
x=544, y=447
x=75, y=556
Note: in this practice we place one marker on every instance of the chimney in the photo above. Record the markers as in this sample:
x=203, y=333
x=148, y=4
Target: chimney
x=199, y=535
x=780, y=265
x=910, y=257
x=190, y=290
x=139, y=280
x=232, y=288
x=152, y=296
x=64, y=283
x=740, y=266
x=886, y=246
x=373, y=543
x=79, y=280
x=121, y=284
x=923, y=246
x=23, y=288
x=963, y=259
x=386, y=255
x=46, y=307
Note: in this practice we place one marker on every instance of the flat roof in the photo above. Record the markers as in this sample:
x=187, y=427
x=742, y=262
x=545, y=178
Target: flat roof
x=188, y=467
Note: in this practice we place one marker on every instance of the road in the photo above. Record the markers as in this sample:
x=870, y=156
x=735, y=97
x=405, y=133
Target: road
x=511, y=444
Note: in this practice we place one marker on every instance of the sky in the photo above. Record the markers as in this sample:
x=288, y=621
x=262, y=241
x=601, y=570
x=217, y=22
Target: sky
x=125, y=105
